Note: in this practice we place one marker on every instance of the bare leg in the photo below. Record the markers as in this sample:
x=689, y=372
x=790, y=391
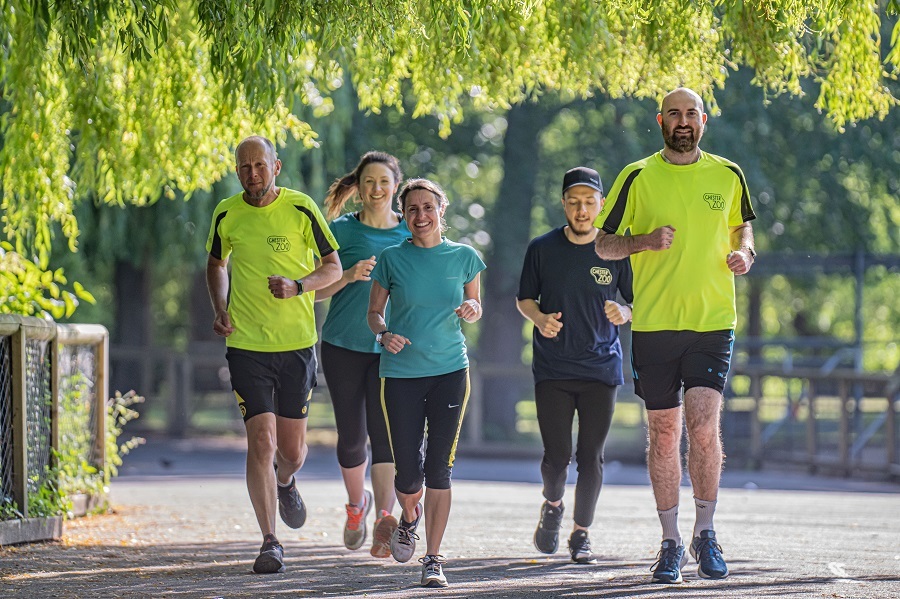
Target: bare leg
x=437, y=514
x=383, y=487
x=664, y=455
x=292, y=448
x=408, y=503
x=355, y=482
x=703, y=407
x=261, y=445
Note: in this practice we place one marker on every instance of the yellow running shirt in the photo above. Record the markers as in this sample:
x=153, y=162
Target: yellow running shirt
x=689, y=286
x=278, y=239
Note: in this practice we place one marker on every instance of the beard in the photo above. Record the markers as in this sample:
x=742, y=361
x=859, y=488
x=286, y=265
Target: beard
x=256, y=196
x=685, y=142
x=580, y=228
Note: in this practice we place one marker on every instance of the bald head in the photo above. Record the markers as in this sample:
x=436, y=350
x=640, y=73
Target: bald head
x=682, y=96
x=256, y=142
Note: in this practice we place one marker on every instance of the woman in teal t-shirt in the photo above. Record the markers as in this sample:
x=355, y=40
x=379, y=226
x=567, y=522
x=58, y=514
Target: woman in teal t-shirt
x=432, y=283
x=350, y=356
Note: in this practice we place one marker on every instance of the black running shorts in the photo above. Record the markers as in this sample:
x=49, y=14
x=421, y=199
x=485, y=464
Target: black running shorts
x=279, y=383
x=664, y=362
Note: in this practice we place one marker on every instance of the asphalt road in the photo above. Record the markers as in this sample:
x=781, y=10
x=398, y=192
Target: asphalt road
x=183, y=527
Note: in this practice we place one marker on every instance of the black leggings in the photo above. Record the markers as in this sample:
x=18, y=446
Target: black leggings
x=410, y=405
x=557, y=402
x=355, y=391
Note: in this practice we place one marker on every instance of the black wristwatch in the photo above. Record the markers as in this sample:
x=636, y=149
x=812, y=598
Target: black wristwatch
x=750, y=251
x=299, y=286
x=380, y=336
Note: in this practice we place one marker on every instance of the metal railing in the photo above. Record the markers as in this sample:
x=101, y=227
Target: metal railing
x=40, y=363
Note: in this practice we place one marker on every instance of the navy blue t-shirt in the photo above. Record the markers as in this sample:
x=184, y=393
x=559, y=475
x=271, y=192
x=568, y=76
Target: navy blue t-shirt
x=564, y=277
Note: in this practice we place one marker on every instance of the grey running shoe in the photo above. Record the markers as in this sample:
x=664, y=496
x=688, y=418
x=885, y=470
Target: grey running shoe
x=271, y=557
x=291, y=506
x=546, y=536
x=670, y=560
x=355, y=527
x=708, y=554
x=433, y=571
x=403, y=541
x=580, y=548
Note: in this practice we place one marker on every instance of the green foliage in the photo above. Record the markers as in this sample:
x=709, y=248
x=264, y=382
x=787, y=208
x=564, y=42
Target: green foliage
x=47, y=501
x=29, y=289
x=125, y=102
x=78, y=474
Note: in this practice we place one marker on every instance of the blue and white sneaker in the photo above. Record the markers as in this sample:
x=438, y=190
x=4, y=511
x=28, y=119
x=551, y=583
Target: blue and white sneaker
x=670, y=560
x=708, y=554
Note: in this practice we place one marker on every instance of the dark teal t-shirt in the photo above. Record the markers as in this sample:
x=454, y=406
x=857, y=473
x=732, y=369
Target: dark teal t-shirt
x=345, y=326
x=426, y=286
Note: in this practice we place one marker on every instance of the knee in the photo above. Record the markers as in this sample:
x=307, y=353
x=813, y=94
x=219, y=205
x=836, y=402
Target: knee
x=704, y=437
x=664, y=440
x=262, y=444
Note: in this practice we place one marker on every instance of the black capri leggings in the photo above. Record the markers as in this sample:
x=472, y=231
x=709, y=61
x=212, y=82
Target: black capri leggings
x=557, y=402
x=355, y=391
x=409, y=405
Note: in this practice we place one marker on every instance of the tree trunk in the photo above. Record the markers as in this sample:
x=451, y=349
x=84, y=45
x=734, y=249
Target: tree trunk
x=509, y=224
x=133, y=330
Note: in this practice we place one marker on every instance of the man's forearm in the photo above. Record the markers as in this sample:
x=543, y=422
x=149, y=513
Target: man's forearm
x=742, y=237
x=617, y=247
x=217, y=284
x=326, y=274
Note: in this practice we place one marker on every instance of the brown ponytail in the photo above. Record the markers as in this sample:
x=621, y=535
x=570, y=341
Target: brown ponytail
x=346, y=187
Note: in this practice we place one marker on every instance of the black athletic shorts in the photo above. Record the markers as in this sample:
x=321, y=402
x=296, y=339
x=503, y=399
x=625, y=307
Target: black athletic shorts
x=272, y=382
x=666, y=361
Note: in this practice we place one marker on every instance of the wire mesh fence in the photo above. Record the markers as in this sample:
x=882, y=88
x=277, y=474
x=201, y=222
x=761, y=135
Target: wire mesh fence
x=6, y=437
x=38, y=406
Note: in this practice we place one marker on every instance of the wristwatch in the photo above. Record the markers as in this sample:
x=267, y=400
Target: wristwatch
x=379, y=336
x=299, y=286
x=750, y=251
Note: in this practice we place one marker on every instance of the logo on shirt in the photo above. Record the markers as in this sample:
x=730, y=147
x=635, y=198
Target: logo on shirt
x=714, y=200
x=601, y=275
x=279, y=243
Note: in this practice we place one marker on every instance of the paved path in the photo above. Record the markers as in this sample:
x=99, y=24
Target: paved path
x=183, y=527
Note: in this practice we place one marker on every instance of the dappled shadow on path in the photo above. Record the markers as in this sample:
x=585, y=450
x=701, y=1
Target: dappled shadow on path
x=224, y=570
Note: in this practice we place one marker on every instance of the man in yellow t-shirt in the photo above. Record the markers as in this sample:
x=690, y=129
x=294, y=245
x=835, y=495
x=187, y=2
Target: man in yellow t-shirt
x=688, y=213
x=274, y=235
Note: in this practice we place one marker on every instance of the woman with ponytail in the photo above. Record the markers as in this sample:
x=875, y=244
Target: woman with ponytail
x=350, y=355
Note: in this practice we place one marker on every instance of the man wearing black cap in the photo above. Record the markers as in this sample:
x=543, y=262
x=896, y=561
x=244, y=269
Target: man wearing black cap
x=569, y=293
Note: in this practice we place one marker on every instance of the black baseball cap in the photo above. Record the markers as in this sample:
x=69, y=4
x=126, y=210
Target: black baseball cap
x=582, y=175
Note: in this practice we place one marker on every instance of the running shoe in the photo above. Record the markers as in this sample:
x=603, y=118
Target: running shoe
x=580, y=548
x=291, y=506
x=708, y=554
x=403, y=541
x=433, y=571
x=355, y=527
x=271, y=557
x=382, y=533
x=670, y=560
x=546, y=536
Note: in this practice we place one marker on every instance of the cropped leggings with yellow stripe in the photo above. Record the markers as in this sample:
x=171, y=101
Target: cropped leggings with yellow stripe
x=411, y=405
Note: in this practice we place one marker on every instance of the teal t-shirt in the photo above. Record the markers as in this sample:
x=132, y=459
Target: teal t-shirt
x=426, y=286
x=345, y=326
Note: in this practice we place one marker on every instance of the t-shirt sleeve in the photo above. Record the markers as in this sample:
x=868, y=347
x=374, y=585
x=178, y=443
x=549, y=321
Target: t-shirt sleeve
x=217, y=244
x=472, y=264
x=530, y=281
x=381, y=272
x=625, y=280
x=320, y=236
x=741, y=210
x=618, y=212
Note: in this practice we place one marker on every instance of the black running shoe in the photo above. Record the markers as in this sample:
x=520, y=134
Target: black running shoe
x=546, y=536
x=580, y=548
x=708, y=554
x=291, y=506
x=670, y=560
x=271, y=557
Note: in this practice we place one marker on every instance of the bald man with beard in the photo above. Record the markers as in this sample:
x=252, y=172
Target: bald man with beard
x=688, y=214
